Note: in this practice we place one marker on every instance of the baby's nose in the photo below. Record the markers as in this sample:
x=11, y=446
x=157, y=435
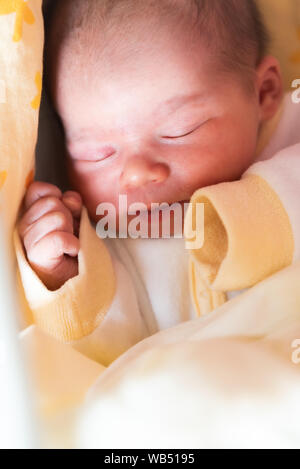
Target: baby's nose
x=139, y=171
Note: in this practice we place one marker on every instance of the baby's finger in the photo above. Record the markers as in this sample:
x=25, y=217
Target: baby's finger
x=73, y=202
x=50, y=250
x=39, y=209
x=38, y=190
x=54, y=221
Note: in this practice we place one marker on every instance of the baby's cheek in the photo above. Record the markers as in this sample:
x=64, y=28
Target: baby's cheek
x=94, y=186
x=234, y=149
x=212, y=164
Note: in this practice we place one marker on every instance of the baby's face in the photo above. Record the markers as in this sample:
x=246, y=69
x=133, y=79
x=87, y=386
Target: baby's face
x=154, y=125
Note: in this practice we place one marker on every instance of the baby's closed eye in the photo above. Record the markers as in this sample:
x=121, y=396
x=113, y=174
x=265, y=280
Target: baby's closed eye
x=91, y=154
x=182, y=133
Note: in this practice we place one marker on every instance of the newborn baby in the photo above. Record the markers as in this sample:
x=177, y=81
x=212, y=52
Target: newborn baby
x=158, y=99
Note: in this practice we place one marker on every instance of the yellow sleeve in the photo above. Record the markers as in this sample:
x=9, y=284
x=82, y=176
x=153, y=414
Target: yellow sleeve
x=79, y=306
x=247, y=237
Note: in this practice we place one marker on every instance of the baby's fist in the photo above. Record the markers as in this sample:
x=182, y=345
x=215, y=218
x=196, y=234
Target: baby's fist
x=49, y=231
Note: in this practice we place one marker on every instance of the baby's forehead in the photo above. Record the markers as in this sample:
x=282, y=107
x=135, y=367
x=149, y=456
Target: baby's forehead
x=114, y=24
x=135, y=40
x=155, y=70
x=88, y=39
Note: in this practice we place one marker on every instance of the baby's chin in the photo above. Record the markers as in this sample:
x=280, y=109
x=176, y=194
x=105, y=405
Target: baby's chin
x=155, y=223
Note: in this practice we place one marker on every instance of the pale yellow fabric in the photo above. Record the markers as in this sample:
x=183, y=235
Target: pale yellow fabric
x=21, y=48
x=227, y=380
x=240, y=248
x=61, y=375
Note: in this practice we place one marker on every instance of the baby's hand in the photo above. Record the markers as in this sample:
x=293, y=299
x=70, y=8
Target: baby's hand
x=49, y=231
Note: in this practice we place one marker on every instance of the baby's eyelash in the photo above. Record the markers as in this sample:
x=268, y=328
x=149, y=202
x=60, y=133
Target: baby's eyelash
x=179, y=136
x=102, y=160
x=185, y=134
x=92, y=157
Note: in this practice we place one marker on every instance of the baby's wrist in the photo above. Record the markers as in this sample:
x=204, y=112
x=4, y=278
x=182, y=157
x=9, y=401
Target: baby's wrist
x=55, y=279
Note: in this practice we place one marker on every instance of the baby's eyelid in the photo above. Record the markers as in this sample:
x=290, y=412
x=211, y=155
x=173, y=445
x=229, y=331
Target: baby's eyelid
x=102, y=159
x=95, y=155
x=184, y=134
x=108, y=153
x=181, y=135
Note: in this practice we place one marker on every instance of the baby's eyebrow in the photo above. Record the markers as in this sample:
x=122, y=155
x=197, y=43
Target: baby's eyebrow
x=176, y=102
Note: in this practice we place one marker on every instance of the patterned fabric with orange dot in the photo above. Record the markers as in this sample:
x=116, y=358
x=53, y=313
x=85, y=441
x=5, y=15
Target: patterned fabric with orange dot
x=21, y=49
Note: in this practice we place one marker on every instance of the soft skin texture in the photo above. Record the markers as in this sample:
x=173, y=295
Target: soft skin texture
x=155, y=127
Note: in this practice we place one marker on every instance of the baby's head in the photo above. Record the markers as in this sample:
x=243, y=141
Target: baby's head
x=159, y=98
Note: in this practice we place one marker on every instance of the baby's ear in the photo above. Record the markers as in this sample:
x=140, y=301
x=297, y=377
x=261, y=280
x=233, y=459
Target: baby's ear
x=269, y=85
